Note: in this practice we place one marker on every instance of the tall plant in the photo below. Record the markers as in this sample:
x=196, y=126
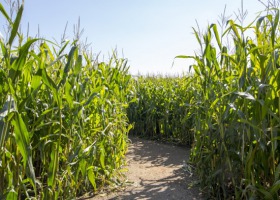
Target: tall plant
x=236, y=108
x=63, y=117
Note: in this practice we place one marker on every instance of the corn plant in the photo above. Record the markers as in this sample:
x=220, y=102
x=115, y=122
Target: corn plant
x=63, y=118
x=161, y=111
x=236, y=109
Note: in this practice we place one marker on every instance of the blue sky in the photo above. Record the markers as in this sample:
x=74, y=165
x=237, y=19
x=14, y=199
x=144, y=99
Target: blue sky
x=150, y=33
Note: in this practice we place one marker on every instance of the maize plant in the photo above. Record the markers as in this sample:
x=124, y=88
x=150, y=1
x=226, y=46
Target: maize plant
x=63, y=117
x=236, y=109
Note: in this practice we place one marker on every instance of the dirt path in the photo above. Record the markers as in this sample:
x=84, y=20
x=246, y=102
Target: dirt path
x=156, y=171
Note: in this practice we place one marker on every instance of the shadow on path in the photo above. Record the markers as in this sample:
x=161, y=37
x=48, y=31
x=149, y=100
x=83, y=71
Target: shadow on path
x=157, y=153
x=156, y=172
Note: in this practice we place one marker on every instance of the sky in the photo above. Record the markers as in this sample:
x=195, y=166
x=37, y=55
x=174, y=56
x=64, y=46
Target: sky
x=149, y=33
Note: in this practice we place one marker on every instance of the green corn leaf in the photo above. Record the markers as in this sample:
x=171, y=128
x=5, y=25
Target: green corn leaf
x=91, y=176
x=36, y=79
x=4, y=49
x=21, y=59
x=82, y=166
x=16, y=25
x=216, y=33
x=23, y=143
x=68, y=65
x=70, y=59
x=63, y=48
x=3, y=11
x=196, y=69
x=233, y=27
x=22, y=136
x=95, y=92
x=52, y=167
x=78, y=65
x=276, y=20
x=48, y=81
x=68, y=95
x=47, y=50
x=259, y=21
x=102, y=155
x=197, y=37
x=12, y=195
x=274, y=27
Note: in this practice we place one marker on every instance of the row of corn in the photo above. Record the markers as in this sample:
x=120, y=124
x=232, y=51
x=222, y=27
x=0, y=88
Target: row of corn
x=161, y=111
x=236, y=105
x=63, y=125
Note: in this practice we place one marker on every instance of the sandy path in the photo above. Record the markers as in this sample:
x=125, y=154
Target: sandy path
x=156, y=172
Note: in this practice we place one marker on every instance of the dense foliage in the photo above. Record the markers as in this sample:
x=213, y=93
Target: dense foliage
x=237, y=109
x=63, y=118
x=229, y=108
x=162, y=111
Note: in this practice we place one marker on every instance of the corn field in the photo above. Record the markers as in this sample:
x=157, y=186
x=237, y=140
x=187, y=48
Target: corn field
x=63, y=118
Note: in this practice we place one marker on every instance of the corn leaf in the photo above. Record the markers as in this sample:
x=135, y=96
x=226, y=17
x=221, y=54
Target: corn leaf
x=16, y=24
x=23, y=143
x=91, y=176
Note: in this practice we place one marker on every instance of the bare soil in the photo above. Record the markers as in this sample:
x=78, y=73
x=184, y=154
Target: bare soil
x=155, y=171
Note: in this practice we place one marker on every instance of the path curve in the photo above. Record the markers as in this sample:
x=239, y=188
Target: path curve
x=156, y=171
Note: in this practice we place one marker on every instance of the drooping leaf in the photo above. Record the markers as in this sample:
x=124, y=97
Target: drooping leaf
x=246, y=95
